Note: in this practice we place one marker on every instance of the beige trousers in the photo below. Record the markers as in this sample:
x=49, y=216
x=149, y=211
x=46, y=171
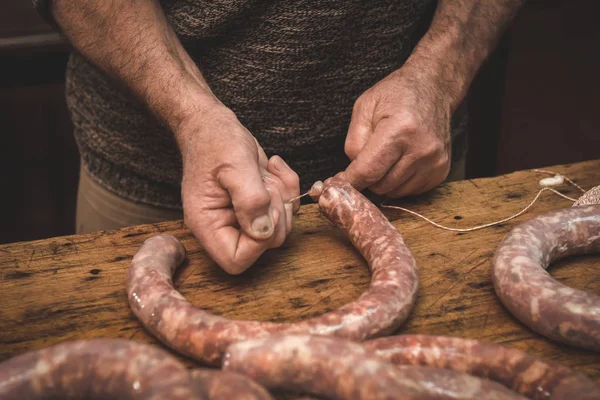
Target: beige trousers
x=99, y=209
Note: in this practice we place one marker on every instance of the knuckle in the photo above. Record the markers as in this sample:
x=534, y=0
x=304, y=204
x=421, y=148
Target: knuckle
x=429, y=149
x=358, y=103
x=443, y=161
x=233, y=267
x=409, y=123
x=236, y=264
x=351, y=149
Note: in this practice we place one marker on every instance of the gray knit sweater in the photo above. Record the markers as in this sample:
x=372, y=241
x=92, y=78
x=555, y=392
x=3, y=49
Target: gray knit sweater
x=290, y=70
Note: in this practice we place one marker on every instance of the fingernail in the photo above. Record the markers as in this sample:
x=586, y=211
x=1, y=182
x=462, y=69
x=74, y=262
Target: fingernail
x=278, y=163
x=275, y=164
x=284, y=163
x=262, y=225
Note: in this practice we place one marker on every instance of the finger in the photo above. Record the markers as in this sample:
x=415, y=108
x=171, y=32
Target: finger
x=233, y=250
x=279, y=211
x=375, y=159
x=419, y=183
x=274, y=184
x=430, y=174
x=400, y=173
x=360, y=128
x=262, y=156
x=291, y=182
x=250, y=199
x=227, y=245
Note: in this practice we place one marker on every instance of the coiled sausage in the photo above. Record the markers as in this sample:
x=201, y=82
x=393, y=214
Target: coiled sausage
x=199, y=334
x=225, y=385
x=531, y=376
x=97, y=369
x=547, y=306
x=342, y=370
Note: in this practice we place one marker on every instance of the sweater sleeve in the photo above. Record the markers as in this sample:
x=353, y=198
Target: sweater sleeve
x=43, y=9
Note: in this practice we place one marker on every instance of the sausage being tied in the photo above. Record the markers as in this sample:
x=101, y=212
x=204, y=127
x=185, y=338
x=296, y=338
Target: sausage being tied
x=533, y=377
x=97, y=369
x=381, y=309
x=339, y=369
x=565, y=314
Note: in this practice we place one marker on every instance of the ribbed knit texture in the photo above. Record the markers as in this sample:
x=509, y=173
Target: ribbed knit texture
x=290, y=70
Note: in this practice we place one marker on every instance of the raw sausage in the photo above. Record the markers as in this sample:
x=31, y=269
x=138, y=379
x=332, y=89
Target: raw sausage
x=547, y=306
x=340, y=369
x=225, y=385
x=97, y=369
x=592, y=196
x=199, y=334
x=530, y=376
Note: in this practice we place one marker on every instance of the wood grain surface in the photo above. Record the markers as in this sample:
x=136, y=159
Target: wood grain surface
x=73, y=287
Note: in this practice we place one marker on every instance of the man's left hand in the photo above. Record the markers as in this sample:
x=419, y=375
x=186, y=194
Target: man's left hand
x=399, y=135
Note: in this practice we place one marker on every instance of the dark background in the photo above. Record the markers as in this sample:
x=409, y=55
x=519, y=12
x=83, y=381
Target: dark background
x=534, y=104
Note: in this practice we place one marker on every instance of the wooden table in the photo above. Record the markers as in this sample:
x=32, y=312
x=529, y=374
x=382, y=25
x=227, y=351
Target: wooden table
x=73, y=287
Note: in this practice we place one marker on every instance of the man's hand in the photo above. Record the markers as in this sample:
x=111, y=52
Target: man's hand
x=233, y=196
x=399, y=136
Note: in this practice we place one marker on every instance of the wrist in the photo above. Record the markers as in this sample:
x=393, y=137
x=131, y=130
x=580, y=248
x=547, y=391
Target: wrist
x=192, y=129
x=189, y=104
x=444, y=63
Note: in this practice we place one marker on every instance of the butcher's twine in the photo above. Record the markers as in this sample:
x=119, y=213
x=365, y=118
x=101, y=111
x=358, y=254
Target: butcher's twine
x=556, y=180
x=297, y=197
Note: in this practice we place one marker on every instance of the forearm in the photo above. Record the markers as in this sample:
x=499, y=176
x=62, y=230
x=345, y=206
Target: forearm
x=462, y=35
x=132, y=41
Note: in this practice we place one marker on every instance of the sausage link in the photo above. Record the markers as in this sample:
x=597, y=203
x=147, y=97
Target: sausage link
x=97, y=369
x=225, y=385
x=592, y=196
x=340, y=369
x=528, y=375
x=201, y=335
x=547, y=306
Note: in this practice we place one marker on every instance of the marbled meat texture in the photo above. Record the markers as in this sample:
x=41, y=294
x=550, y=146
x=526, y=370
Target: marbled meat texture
x=531, y=376
x=342, y=370
x=530, y=293
x=226, y=385
x=97, y=369
x=381, y=309
x=592, y=196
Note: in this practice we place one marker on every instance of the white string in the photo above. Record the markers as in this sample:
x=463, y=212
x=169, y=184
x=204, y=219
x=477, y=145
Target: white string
x=491, y=223
x=296, y=198
x=486, y=225
x=505, y=219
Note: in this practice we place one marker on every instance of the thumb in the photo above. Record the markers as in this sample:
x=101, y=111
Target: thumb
x=251, y=200
x=374, y=160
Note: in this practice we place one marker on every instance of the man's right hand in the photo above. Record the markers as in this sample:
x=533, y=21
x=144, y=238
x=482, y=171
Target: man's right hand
x=233, y=196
